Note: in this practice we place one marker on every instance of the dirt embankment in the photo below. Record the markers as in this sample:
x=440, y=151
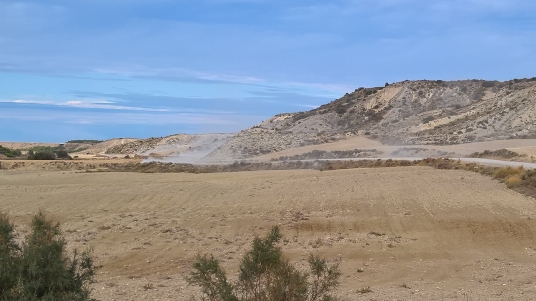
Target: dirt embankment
x=408, y=233
x=72, y=165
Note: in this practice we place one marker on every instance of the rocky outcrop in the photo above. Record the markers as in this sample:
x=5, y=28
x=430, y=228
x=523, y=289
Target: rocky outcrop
x=404, y=113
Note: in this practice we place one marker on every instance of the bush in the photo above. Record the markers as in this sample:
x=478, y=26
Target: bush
x=506, y=172
x=10, y=153
x=9, y=253
x=503, y=153
x=63, y=154
x=265, y=275
x=340, y=110
x=41, y=270
x=42, y=156
x=488, y=84
x=479, y=94
x=428, y=119
x=303, y=115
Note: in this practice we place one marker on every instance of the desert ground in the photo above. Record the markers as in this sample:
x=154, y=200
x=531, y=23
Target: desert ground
x=408, y=233
x=522, y=146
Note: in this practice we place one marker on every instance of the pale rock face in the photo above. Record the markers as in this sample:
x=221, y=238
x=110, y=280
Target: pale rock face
x=404, y=113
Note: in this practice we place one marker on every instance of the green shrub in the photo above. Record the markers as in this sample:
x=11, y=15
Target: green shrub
x=10, y=153
x=41, y=270
x=50, y=149
x=63, y=154
x=42, y=156
x=212, y=279
x=265, y=275
x=9, y=253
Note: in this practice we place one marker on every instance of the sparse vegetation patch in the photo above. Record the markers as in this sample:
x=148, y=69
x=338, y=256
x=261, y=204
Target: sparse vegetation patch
x=501, y=153
x=89, y=141
x=320, y=154
x=265, y=274
x=10, y=153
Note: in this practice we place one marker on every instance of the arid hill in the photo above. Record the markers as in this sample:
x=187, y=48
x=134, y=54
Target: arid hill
x=178, y=147
x=173, y=145
x=405, y=113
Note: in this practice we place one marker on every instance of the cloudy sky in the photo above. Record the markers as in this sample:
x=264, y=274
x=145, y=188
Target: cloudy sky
x=79, y=69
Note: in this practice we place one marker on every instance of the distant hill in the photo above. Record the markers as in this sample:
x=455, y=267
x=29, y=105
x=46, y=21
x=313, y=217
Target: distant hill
x=180, y=147
x=189, y=148
x=404, y=113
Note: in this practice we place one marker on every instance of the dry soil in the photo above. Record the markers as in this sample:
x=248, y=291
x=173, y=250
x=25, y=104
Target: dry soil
x=408, y=233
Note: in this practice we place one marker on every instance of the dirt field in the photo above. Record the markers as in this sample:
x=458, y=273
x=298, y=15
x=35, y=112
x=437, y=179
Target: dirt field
x=408, y=233
x=25, y=145
x=522, y=146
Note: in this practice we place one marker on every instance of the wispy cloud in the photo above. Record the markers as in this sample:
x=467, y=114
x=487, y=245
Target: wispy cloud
x=85, y=104
x=114, y=118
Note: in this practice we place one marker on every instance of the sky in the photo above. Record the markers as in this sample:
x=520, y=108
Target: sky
x=101, y=69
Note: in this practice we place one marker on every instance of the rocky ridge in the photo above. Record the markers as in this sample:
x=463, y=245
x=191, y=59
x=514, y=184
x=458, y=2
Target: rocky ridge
x=403, y=113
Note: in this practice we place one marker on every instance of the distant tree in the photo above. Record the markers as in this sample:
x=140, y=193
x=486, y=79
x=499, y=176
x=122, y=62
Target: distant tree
x=43, y=156
x=63, y=154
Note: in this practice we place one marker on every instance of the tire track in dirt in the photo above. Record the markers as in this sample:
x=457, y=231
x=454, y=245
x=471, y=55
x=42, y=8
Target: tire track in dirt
x=423, y=227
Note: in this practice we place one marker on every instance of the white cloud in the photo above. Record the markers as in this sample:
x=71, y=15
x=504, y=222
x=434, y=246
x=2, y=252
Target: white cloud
x=87, y=104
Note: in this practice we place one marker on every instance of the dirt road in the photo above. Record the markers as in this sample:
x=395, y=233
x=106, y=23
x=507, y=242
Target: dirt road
x=483, y=161
x=411, y=233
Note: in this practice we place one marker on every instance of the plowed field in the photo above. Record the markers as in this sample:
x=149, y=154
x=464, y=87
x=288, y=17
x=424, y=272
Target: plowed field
x=411, y=233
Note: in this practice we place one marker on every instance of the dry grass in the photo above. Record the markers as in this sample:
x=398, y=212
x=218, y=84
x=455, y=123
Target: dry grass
x=501, y=153
x=513, y=181
x=323, y=226
x=507, y=172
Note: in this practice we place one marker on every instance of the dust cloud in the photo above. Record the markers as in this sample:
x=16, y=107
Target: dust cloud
x=194, y=152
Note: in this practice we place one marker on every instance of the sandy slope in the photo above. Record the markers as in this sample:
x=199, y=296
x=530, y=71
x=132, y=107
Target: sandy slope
x=103, y=146
x=449, y=235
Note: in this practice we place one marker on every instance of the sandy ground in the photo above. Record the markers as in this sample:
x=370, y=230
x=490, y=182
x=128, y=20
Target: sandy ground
x=530, y=151
x=522, y=146
x=417, y=233
x=25, y=145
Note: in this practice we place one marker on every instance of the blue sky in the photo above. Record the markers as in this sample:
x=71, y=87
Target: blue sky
x=78, y=69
